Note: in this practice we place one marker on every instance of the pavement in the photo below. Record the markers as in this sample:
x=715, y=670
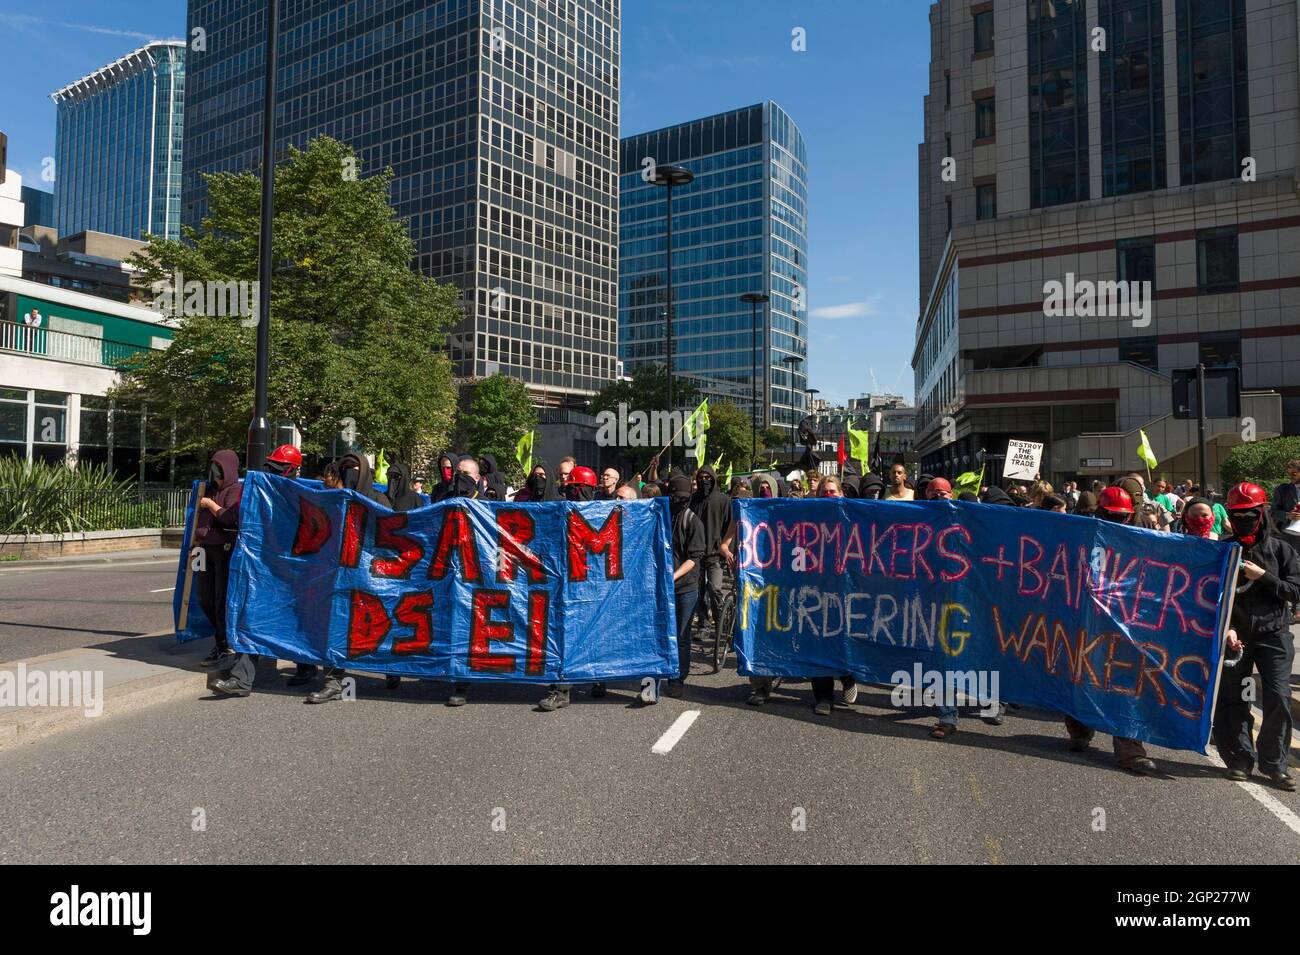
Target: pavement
x=172, y=773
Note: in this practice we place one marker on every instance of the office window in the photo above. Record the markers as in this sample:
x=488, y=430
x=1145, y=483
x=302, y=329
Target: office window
x=985, y=113
x=1132, y=97
x=986, y=201
x=1216, y=260
x=984, y=32
x=1220, y=348
x=1213, y=113
x=1058, y=102
x=1135, y=260
x=1141, y=351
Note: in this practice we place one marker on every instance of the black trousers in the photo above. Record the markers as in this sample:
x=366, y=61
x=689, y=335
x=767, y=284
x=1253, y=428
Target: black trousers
x=212, y=582
x=1271, y=654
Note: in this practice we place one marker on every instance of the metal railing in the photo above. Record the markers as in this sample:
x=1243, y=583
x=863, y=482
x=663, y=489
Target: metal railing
x=63, y=510
x=65, y=346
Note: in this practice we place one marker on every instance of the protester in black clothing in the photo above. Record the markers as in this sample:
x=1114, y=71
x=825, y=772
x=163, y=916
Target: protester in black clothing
x=713, y=507
x=215, y=531
x=494, y=485
x=446, y=475
x=581, y=486
x=870, y=486
x=1286, y=496
x=688, y=553
x=537, y=487
x=400, y=495
x=355, y=475
x=1269, y=580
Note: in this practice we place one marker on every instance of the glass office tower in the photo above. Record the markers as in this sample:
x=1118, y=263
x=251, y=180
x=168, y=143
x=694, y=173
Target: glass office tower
x=117, y=146
x=740, y=226
x=499, y=119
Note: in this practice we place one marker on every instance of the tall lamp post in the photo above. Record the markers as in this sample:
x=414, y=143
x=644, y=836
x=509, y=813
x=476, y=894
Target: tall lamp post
x=259, y=429
x=668, y=177
x=792, y=360
x=754, y=299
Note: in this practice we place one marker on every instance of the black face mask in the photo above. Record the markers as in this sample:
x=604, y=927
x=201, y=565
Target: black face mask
x=706, y=485
x=350, y=477
x=215, y=473
x=537, y=484
x=1115, y=517
x=1246, y=525
x=678, y=500
x=464, y=485
x=279, y=467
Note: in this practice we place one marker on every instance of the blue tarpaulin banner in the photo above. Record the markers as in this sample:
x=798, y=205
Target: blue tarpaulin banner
x=464, y=589
x=1118, y=627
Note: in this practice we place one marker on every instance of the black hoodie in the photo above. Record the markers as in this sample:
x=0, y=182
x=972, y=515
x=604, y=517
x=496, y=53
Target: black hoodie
x=712, y=506
x=443, y=485
x=400, y=495
x=1261, y=605
x=537, y=487
x=213, y=530
x=495, y=485
x=995, y=495
x=364, y=484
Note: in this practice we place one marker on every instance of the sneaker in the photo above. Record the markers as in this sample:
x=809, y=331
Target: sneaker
x=459, y=695
x=822, y=708
x=1282, y=780
x=232, y=688
x=555, y=700
x=994, y=719
x=849, y=689
x=759, y=697
x=597, y=691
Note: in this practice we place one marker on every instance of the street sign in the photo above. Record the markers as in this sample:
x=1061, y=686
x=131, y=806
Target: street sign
x=1097, y=463
x=1022, y=460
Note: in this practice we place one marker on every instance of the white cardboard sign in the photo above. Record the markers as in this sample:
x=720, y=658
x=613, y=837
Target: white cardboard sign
x=1022, y=460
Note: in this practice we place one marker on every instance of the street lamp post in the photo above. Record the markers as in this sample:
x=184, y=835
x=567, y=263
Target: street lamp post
x=792, y=360
x=754, y=299
x=259, y=428
x=668, y=177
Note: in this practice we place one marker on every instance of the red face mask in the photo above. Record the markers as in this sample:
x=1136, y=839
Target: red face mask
x=446, y=474
x=1198, y=525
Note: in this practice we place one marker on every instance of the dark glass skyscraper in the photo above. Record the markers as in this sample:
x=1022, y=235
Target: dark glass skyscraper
x=117, y=145
x=741, y=226
x=499, y=119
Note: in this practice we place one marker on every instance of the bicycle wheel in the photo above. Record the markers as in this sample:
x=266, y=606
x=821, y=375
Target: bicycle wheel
x=726, y=622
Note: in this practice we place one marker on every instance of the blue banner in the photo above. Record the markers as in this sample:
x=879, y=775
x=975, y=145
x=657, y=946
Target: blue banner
x=462, y=590
x=1118, y=627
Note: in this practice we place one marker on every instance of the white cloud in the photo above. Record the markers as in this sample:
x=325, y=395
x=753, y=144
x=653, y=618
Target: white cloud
x=20, y=21
x=848, y=310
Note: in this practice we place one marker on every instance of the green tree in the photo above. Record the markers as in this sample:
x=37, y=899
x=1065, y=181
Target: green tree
x=493, y=414
x=355, y=332
x=730, y=435
x=645, y=391
x=1259, y=462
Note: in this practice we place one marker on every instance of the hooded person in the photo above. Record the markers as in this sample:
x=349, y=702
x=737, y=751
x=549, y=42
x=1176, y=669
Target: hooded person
x=764, y=485
x=1086, y=506
x=1260, y=634
x=494, y=485
x=445, y=475
x=537, y=486
x=354, y=472
x=215, y=530
x=995, y=495
x=870, y=486
x=400, y=495
x=713, y=507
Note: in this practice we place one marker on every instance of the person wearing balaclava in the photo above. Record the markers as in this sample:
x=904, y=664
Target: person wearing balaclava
x=870, y=486
x=1260, y=636
x=1197, y=519
x=689, y=549
x=536, y=486
x=579, y=488
x=215, y=531
x=1114, y=505
x=354, y=475
x=446, y=475
x=713, y=507
x=494, y=485
x=400, y=494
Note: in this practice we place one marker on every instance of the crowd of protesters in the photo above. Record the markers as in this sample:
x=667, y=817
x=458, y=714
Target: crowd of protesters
x=703, y=539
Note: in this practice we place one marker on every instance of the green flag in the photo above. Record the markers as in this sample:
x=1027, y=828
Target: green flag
x=381, y=468
x=726, y=482
x=1145, y=453
x=969, y=481
x=858, y=444
x=696, y=425
x=717, y=465
x=700, y=442
x=524, y=453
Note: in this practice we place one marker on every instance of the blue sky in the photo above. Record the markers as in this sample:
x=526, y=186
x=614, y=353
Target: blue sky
x=855, y=93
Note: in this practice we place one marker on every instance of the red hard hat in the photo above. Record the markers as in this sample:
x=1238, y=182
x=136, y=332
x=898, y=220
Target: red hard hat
x=286, y=454
x=581, y=475
x=937, y=485
x=1246, y=496
x=1115, y=498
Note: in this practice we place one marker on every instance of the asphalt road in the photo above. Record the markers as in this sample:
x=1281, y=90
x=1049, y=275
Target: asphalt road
x=60, y=607
x=402, y=778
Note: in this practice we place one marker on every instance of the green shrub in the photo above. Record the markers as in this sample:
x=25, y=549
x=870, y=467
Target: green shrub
x=41, y=498
x=1260, y=462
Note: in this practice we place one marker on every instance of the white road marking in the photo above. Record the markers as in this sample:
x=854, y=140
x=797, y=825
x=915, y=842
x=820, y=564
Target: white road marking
x=675, y=732
x=1264, y=798
x=162, y=590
